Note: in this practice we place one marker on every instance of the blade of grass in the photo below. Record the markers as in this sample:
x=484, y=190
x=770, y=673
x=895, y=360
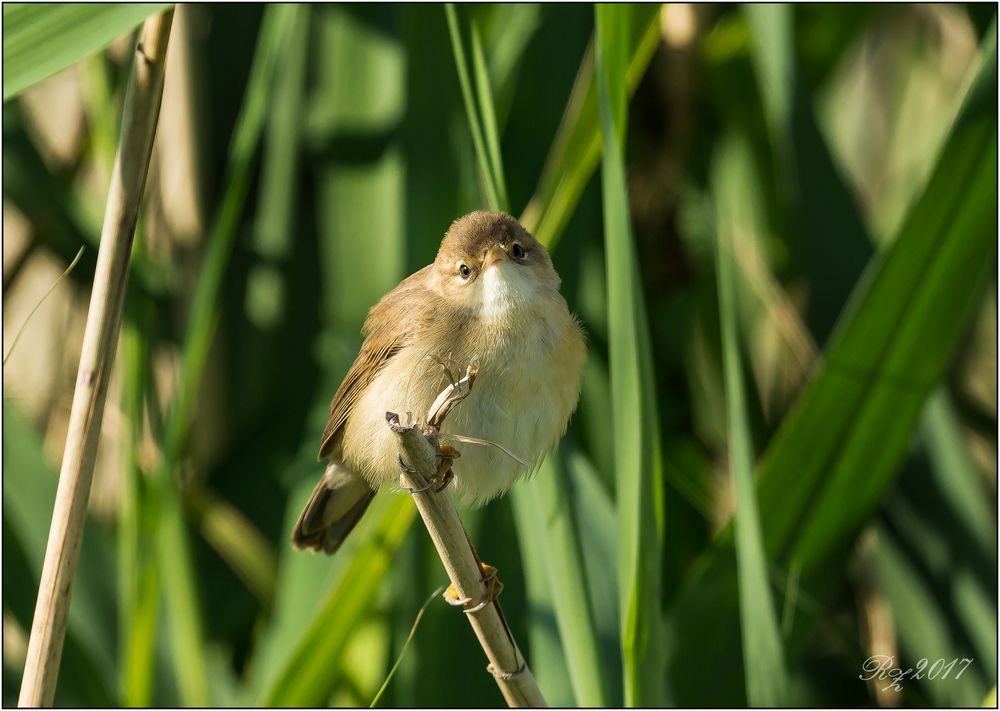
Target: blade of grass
x=303, y=582
x=406, y=645
x=138, y=601
x=274, y=36
x=634, y=418
x=488, y=174
x=549, y=660
x=576, y=148
x=506, y=33
x=488, y=115
x=139, y=653
x=766, y=682
x=39, y=40
x=355, y=48
x=557, y=542
x=922, y=286
x=540, y=516
x=41, y=301
x=594, y=517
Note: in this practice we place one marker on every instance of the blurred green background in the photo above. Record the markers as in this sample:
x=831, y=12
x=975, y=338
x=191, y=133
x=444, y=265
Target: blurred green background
x=782, y=248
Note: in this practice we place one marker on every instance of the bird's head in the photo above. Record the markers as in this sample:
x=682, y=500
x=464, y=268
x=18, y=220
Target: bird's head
x=490, y=264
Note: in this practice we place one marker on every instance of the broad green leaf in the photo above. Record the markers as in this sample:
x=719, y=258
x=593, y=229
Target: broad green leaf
x=891, y=344
x=41, y=39
x=839, y=448
x=634, y=419
x=764, y=666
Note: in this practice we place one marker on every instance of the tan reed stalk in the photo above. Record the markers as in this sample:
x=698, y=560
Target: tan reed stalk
x=420, y=451
x=142, y=107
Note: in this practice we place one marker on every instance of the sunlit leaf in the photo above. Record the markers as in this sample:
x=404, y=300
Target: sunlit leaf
x=40, y=39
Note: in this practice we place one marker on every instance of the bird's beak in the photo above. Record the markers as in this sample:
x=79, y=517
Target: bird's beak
x=495, y=254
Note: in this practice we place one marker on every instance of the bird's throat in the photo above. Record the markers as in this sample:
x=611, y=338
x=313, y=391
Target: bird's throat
x=506, y=289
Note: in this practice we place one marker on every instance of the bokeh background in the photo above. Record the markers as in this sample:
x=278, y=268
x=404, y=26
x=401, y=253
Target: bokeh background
x=309, y=157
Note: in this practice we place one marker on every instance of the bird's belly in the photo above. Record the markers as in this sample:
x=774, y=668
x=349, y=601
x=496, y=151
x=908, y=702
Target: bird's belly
x=522, y=400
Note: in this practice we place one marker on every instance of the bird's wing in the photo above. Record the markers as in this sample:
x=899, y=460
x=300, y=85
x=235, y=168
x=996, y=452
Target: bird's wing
x=385, y=335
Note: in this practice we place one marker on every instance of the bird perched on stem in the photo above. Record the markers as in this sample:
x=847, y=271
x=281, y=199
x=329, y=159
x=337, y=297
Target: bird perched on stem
x=490, y=294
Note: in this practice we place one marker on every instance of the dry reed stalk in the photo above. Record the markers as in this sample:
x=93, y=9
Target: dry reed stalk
x=420, y=450
x=142, y=107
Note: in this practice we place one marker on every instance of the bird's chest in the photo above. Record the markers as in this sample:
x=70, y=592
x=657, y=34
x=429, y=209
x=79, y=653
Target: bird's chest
x=520, y=400
x=522, y=397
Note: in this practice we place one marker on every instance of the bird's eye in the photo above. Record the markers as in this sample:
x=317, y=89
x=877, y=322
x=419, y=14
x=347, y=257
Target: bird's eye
x=518, y=251
x=464, y=271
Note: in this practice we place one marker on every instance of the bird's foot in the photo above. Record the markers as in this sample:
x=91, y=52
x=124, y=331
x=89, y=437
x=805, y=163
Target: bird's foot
x=493, y=589
x=444, y=475
x=404, y=482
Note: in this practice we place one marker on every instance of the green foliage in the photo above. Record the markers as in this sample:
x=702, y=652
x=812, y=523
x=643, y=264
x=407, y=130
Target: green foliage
x=765, y=265
x=39, y=40
x=766, y=682
x=635, y=423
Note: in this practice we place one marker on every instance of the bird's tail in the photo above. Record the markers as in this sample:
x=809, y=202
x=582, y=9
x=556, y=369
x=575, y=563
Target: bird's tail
x=337, y=503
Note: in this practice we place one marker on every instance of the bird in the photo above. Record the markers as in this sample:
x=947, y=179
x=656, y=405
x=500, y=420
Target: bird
x=491, y=295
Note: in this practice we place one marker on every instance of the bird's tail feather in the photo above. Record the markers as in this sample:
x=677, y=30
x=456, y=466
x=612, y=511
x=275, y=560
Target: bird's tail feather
x=336, y=505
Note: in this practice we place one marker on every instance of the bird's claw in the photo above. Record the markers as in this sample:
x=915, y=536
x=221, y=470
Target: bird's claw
x=493, y=589
x=404, y=482
x=404, y=466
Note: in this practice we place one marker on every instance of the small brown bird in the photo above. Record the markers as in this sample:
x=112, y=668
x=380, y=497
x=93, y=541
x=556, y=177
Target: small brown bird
x=491, y=292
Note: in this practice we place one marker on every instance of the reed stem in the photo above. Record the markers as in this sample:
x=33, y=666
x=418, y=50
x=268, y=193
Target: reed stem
x=62, y=553
x=419, y=449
